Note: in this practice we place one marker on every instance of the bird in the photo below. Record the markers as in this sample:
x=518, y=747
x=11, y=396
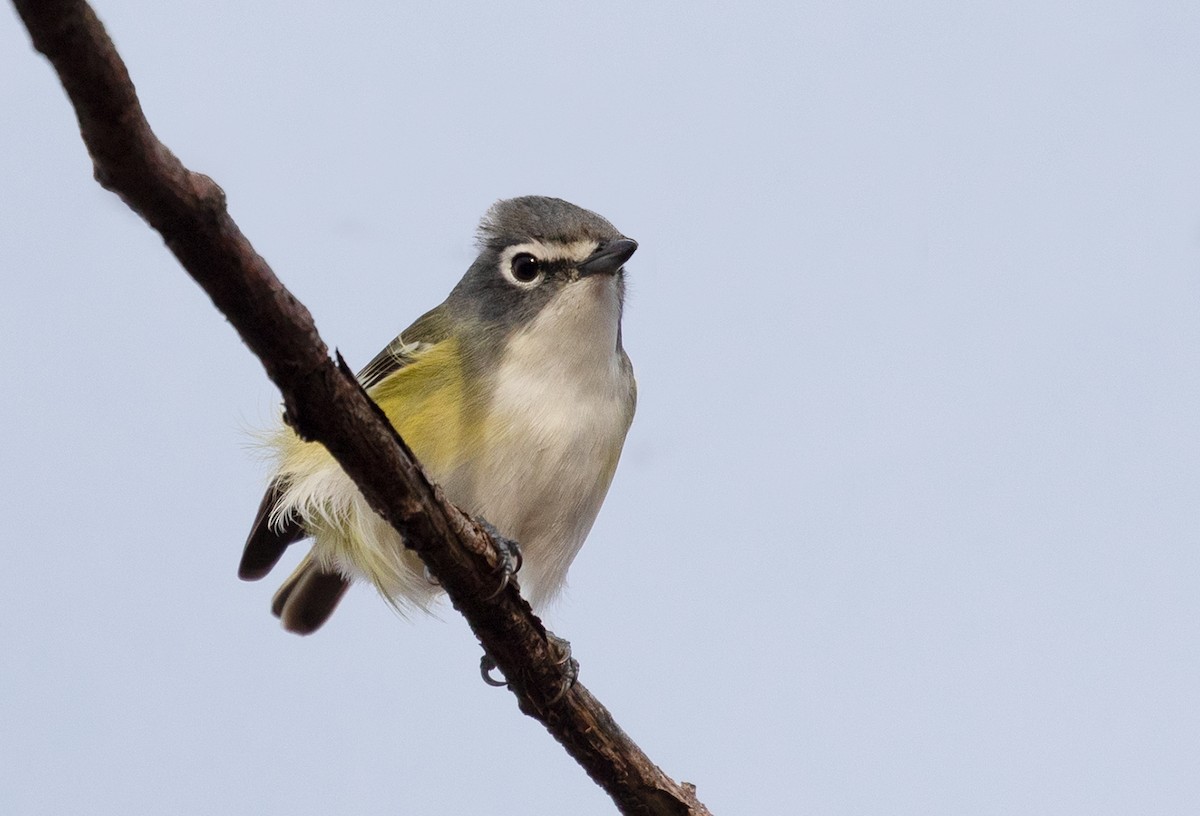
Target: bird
x=515, y=394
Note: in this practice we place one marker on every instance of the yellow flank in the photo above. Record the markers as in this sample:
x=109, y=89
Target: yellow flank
x=428, y=403
x=425, y=401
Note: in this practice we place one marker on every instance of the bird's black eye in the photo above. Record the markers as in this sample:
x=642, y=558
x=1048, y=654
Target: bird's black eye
x=525, y=267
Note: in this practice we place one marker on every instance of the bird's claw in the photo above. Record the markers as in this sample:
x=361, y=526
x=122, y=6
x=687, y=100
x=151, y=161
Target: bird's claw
x=487, y=665
x=559, y=648
x=510, y=558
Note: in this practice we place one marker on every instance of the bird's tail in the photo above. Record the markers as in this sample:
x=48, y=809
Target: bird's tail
x=308, y=597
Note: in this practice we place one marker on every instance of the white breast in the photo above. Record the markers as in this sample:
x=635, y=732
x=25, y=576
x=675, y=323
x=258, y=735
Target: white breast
x=562, y=406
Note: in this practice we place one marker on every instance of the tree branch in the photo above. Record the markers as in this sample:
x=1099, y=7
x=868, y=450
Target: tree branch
x=325, y=403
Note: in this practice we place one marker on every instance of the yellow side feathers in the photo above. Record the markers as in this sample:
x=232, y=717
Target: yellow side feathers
x=427, y=403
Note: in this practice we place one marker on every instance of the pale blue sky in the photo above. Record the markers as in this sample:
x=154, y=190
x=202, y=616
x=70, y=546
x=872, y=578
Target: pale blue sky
x=907, y=521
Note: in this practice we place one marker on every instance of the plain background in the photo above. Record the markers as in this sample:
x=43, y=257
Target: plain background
x=906, y=523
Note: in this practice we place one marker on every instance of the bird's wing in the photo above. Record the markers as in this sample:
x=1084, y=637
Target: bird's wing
x=428, y=330
x=267, y=541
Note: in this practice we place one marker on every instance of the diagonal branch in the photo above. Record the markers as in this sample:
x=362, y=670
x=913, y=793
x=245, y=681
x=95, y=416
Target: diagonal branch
x=324, y=402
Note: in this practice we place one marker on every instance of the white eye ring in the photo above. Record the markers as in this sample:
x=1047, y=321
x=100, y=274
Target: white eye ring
x=524, y=270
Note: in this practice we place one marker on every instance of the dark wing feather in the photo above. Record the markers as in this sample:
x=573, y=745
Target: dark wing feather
x=428, y=330
x=267, y=542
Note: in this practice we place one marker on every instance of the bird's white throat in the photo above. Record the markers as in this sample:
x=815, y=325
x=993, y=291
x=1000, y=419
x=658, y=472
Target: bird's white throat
x=564, y=398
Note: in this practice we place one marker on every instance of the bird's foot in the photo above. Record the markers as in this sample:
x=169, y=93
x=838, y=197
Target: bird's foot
x=510, y=558
x=560, y=649
x=568, y=666
x=487, y=665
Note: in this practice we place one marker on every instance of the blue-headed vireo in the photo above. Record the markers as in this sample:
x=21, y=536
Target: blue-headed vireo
x=515, y=394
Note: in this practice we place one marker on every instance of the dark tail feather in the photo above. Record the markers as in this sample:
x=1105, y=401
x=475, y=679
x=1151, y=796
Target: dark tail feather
x=308, y=597
x=266, y=544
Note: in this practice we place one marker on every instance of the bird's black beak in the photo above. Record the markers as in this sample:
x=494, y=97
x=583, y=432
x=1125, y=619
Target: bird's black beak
x=608, y=257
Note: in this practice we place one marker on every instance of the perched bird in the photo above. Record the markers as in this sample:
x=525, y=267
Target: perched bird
x=515, y=394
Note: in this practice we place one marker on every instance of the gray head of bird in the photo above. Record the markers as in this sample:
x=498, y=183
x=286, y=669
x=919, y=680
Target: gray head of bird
x=545, y=266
